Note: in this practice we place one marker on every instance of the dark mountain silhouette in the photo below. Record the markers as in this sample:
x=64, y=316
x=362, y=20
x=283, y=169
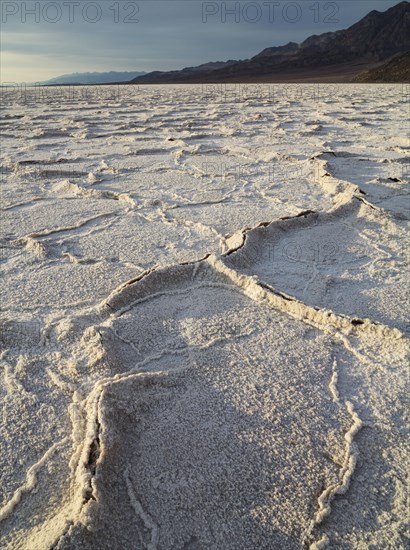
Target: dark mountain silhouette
x=332, y=56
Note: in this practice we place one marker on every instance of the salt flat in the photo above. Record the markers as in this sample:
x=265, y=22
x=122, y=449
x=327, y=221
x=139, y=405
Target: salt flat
x=204, y=327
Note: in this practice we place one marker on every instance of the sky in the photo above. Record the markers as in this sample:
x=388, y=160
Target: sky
x=44, y=39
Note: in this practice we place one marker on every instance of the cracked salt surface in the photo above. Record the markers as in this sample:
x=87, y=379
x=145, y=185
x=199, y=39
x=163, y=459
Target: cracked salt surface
x=204, y=330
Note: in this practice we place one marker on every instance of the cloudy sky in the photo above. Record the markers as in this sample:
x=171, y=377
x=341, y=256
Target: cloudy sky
x=44, y=39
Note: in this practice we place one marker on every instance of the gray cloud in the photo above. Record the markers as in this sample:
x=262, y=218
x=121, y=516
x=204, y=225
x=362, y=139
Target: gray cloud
x=169, y=34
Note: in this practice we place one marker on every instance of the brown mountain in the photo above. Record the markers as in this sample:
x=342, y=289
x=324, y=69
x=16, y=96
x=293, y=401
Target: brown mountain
x=395, y=70
x=332, y=56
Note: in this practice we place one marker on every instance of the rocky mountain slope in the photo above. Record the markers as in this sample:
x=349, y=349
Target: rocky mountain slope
x=342, y=54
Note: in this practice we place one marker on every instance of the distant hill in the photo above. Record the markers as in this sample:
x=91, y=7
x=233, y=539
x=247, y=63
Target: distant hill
x=395, y=70
x=333, y=56
x=94, y=78
x=187, y=73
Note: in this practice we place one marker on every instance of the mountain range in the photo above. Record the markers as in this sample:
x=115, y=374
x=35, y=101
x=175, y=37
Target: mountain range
x=93, y=78
x=366, y=50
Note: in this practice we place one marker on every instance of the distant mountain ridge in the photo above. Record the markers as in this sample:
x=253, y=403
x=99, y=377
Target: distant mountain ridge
x=376, y=38
x=94, y=77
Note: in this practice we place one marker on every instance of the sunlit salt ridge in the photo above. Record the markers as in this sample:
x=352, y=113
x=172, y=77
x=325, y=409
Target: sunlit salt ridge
x=204, y=328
